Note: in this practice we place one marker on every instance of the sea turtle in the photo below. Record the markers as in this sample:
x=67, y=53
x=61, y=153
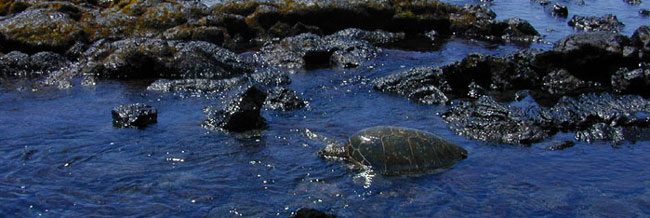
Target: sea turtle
x=390, y=150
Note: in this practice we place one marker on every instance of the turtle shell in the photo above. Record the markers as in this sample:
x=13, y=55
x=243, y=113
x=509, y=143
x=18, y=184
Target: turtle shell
x=396, y=150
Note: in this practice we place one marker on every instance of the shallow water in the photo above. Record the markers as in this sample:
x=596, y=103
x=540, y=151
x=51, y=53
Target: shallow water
x=60, y=156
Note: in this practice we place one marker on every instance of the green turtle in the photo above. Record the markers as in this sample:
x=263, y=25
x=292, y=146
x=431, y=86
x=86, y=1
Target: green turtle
x=390, y=150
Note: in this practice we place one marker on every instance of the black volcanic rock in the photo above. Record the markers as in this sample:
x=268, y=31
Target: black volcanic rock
x=310, y=51
x=240, y=113
x=141, y=58
x=134, y=115
x=487, y=120
x=311, y=213
x=284, y=99
x=592, y=23
x=19, y=65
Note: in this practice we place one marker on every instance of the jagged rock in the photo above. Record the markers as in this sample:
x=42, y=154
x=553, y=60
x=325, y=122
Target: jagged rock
x=197, y=85
x=561, y=83
x=134, y=115
x=414, y=81
x=487, y=120
x=560, y=10
x=16, y=64
x=467, y=78
x=310, y=51
x=635, y=81
x=311, y=213
x=154, y=58
x=39, y=30
x=240, y=113
x=215, y=35
x=592, y=23
x=555, y=146
x=283, y=99
x=271, y=77
x=428, y=95
x=575, y=114
x=376, y=37
x=601, y=132
x=590, y=56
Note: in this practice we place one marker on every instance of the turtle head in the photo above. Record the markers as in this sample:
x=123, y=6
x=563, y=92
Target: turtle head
x=333, y=151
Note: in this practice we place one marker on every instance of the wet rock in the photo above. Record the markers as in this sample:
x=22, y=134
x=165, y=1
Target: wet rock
x=134, y=115
x=240, y=113
x=555, y=146
x=428, y=95
x=197, y=85
x=626, y=81
x=601, y=132
x=419, y=84
x=311, y=213
x=376, y=37
x=576, y=114
x=16, y=64
x=644, y=12
x=310, y=51
x=486, y=120
x=154, y=58
x=592, y=23
x=283, y=99
x=561, y=83
x=592, y=56
x=471, y=77
x=39, y=30
x=560, y=10
x=271, y=76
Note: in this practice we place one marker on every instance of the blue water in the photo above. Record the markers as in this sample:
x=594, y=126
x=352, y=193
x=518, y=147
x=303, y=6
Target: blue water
x=60, y=156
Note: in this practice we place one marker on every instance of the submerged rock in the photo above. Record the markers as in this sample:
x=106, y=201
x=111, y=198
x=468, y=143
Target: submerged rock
x=240, y=113
x=134, y=115
x=592, y=23
x=560, y=10
x=555, y=146
x=284, y=99
x=311, y=213
x=154, y=58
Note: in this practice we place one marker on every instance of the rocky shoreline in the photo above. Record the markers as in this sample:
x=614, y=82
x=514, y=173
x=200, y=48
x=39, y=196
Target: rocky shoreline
x=188, y=46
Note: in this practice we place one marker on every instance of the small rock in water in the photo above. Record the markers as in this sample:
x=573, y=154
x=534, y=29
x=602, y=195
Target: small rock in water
x=644, y=12
x=134, y=115
x=555, y=146
x=311, y=213
x=560, y=10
